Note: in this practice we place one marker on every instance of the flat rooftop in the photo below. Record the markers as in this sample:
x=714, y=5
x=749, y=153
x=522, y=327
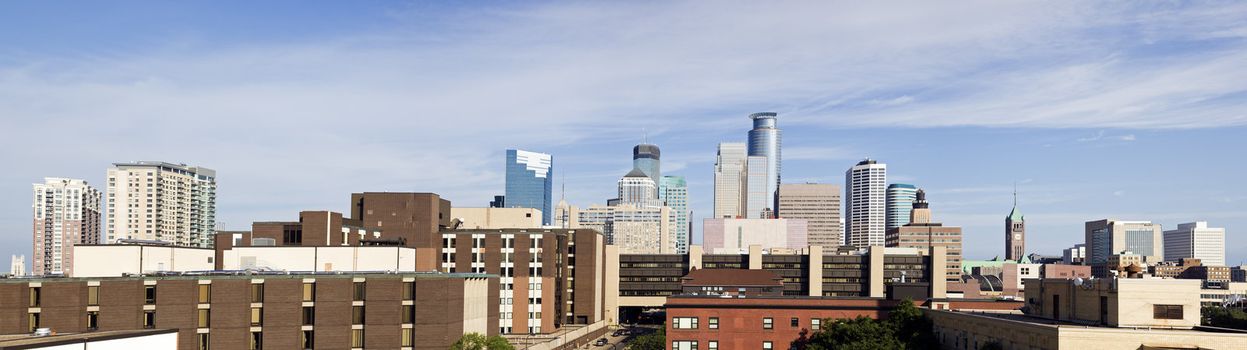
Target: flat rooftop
x=1040, y=321
x=24, y=341
x=197, y=275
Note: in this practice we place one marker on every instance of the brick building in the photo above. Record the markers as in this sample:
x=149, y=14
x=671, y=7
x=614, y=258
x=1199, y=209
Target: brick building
x=278, y=311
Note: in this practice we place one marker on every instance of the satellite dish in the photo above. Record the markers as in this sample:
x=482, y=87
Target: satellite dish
x=1078, y=280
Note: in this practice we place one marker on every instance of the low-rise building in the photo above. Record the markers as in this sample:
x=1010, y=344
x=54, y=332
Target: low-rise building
x=116, y=260
x=147, y=339
x=495, y=218
x=732, y=283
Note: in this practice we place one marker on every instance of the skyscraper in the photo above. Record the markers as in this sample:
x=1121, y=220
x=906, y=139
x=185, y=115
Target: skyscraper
x=922, y=232
x=530, y=182
x=637, y=188
x=900, y=200
x=757, y=199
x=729, y=181
x=162, y=201
x=865, y=187
x=1195, y=240
x=674, y=192
x=1104, y=238
x=646, y=156
x=764, y=141
x=1015, y=232
x=819, y=205
x=66, y=213
x=17, y=266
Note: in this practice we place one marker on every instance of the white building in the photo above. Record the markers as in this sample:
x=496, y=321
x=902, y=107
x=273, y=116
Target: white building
x=865, y=186
x=161, y=201
x=116, y=260
x=66, y=213
x=1074, y=255
x=496, y=218
x=757, y=199
x=17, y=266
x=637, y=188
x=734, y=236
x=634, y=229
x=729, y=181
x=320, y=259
x=1196, y=240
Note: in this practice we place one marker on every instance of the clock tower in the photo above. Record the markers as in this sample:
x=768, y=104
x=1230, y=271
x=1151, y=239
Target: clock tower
x=1015, y=232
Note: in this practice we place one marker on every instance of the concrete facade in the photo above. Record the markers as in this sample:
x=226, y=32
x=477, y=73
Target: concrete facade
x=159, y=201
x=865, y=187
x=961, y=330
x=729, y=180
x=1195, y=240
x=734, y=236
x=66, y=213
x=1105, y=238
x=818, y=205
x=116, y=260
x=495, y=218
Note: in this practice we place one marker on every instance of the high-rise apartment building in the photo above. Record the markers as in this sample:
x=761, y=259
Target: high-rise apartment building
x=673, y=191
x=1195, y=240
x=865, y=186
x=66, y=212
x=161, y=201
x=17, y=266
x=900, y=200
x=819, y=206
x=922, y=232
x=646, y=156
x=757, y=199
x=1106, y=238
x=1015, y=233
x=530, y=182
x=729, y=181
x=764, y=141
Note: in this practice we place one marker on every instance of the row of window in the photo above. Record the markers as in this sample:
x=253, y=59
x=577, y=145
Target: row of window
x=710, y=345
x=713, y=323
x=307, y=340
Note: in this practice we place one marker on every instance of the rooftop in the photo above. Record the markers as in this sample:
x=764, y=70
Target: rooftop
x=245, y=274
x=23, y=341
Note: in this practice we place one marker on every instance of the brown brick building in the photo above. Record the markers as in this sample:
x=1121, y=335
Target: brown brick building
x=278, y=311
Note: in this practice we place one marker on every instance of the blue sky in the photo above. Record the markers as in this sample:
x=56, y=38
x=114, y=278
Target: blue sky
x=1134, y=111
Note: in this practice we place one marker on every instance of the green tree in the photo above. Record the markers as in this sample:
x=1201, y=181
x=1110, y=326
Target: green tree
x=476, y=341
x=1224, y=317
x=905, y=328
x=652, y=341
x=912, y=329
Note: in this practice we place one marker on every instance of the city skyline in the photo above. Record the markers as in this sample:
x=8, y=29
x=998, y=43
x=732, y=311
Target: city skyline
x=1089, y=101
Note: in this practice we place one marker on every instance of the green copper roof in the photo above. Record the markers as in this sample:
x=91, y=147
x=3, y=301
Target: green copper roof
x=1016, y=215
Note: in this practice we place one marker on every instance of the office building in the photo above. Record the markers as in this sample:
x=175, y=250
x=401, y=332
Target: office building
x=547, y=277
x=1104, y=238
x=900, y=200
x=637, y=188
x=735, y=236
x=765, y=141
x=1108, y=314
x=159, y=201
x=1075, y=255
x=819, y=206
x=864, y=203
x=757, y=202
x=673, y=191
x=1193, y=269
x=530, y=182
x=1015, y=232
x=263, y=310
x=489, y=218
x=498, y=202
x=1238, y=273
x=1195, y=240
x=66, y=212
x=645, y=157
x=921, y=232
x=730, y=181
x=17, y=265
x=634, y=229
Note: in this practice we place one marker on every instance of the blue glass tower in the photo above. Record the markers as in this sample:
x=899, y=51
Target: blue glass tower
x=530, y=182
x=764, y=141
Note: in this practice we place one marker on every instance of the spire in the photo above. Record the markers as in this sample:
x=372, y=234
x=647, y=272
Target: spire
x=1015, y=214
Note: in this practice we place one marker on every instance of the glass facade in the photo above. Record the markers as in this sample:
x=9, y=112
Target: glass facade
x=1101, y=246
x=900, y=202
x=764, y=141
x=1140, y=242
x=674, y=192
x=530, y=182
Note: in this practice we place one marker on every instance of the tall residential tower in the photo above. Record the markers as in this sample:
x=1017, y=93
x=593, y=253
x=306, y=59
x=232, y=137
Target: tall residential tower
x=66, y=213
x=530, y=182
x=865, y=186
x=162, y=201
x=764, y=141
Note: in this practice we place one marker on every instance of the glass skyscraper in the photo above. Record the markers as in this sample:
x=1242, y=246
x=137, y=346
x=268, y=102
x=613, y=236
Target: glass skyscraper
x=900, y=202
x=764, y=141
x=674, y=192
x=530, y=182
x=646, y=156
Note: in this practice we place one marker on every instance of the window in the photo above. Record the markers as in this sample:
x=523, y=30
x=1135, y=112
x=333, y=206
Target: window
x=205, y=293
x=684, y=322
x=257, y=341
x=203, y=319
x=32, y=321
x=309, y=291
x=712, y=345
x=766, y=345
x=257, y=293
x=795, y=322
x=149, y=319
x=409, y=290
x=357, y=315
x=408, y=337
x=36, y=296
x=257, y=316
x=309, y=315
x=93, y=295
x=149, y=295
x=1167, y=312
x=358, y=294
x=357, y=338
x=768, y=323
x=714, y=323
x=409, y=314
x=684, y=345
x=816, y=324
x=201, y=341
x=308, y=340
x=93, y=320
